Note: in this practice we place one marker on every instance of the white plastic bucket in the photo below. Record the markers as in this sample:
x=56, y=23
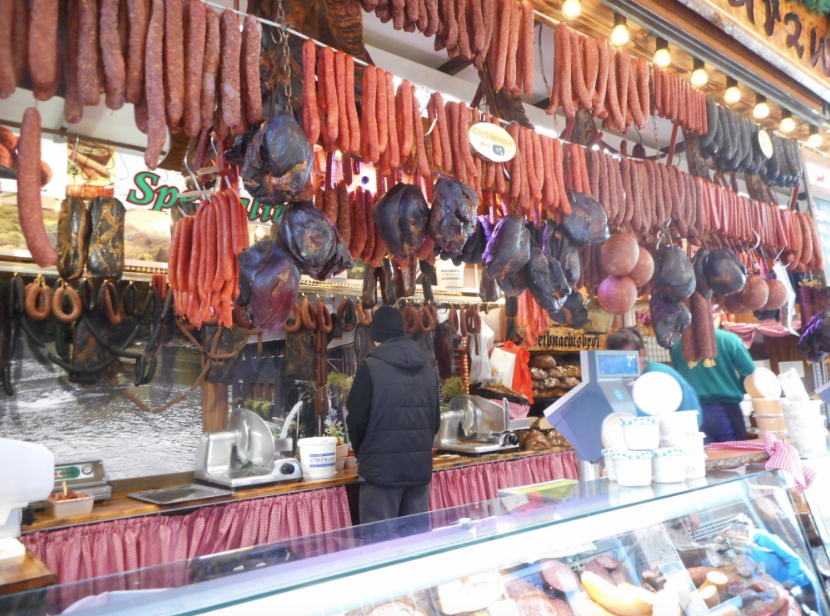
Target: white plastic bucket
x=318, y=456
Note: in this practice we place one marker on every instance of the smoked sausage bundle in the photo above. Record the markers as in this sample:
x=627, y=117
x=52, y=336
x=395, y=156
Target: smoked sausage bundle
x=203, y=264
x=499, y=31
x=677, y=100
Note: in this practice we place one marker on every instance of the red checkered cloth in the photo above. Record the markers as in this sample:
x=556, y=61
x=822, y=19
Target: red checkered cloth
x=782, y=456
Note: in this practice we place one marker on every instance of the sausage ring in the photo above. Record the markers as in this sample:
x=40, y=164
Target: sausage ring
x=411, y=321
x=130, y=300
x=108, y=303
x=453, y=320
x=462, y=321
x=38, y=301
x=309, y=319
x=293, y=327
x=86, y=291
x=427, y=322
x=74, y=301
x=324, y=323
x=363, y=316
x=347, y=311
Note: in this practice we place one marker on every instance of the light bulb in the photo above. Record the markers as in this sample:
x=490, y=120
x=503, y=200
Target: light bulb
x=662, y=55
x=732, y=94
x=787, y=124
x=815, y=139
x=699, y=75
x=620, y=35
x=571, y=9
x=761, y=109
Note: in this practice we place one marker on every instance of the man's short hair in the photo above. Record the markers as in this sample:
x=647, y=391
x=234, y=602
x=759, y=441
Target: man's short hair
x=625, y=339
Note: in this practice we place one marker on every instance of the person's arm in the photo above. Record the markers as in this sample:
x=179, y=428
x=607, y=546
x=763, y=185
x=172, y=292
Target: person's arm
x=741, y=358
x=358, y=404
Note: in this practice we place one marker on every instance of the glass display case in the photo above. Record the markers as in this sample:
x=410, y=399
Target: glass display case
x=727, y=545
x=817, y=498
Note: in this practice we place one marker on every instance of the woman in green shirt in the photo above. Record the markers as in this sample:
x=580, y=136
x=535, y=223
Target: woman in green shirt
x=720, y=387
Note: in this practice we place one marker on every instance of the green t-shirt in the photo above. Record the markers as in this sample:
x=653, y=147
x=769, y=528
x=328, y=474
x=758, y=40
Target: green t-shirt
x=723, y=382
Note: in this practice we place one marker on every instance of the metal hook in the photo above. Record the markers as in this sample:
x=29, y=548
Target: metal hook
x=506, y=174
x=757, y=240
x=431, y=127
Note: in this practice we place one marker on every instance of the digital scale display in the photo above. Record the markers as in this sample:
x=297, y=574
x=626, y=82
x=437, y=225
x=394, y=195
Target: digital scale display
x=624, y=365
x=74, y=471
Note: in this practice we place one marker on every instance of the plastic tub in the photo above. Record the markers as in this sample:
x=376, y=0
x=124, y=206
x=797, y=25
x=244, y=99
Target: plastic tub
x=801, y=408
x=695, y=466
x=690, y=443
x=66, y=508
x=767, y=406
x=668, y=465
x=318, y=456
x=678, y=423
x=641, y=433
x=763, y=384
x=808, y=434
x=608, y=462
x=633, y=468
x=770, y=422
x=793, y=386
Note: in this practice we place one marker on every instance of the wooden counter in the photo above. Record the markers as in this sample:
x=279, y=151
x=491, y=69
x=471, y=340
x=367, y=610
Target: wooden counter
x=122, y=506
x=28, y=575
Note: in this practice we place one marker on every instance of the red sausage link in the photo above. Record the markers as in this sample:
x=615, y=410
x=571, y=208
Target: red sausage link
x=114, y=69
x=20, y=40
x=251, y=43
x=344, y=137
x=174, y=62
x=368, y=129
x=195, y=32
x=311, y=117
x=500, y=67
x=89, y=85
x=210, y=68
x=230, y=72
x=381, y=110
x=43, y=48
x=137, y=11
x=73, y=110
x=351, y=107
x=8, y=81
x=393, y=148
x=154, y=85
x=510, y=73
x=527, y=48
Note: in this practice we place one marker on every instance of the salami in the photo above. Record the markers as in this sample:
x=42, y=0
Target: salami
x=500, y=67
x=634, y=107
x=590, y=63
x=89, y=85
x=644, y=90
x=351, y=107
x=527, y=68
x=615, y=119
x=420, y=143
x=230, y=76
x=464, y=48
x=382, y=112
x=393, y=148
x=251, y=43
x=605, y=56
x=342, y=114
x=311, y=117
x=8, y=80
x=488, y=8
x=511, y=70
x=332, y=126
x=174, y=62
x=43, y=48
x=73, y=110
x=564, y=77
x=623, y=69
x=437, y=152
x=450, y=23
x=369, y=129
x=113, y=61
x=210, y=67
x=29, y=207
x=578, y=74
x=154, y=86
x=137, y=11
x=195, y=32
x=20, y=40
x=405, y=127
x=476, y=26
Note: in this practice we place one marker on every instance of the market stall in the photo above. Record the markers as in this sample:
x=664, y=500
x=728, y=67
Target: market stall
x=519, y=180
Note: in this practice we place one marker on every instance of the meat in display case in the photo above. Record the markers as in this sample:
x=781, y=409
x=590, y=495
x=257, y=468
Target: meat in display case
x=727, y=545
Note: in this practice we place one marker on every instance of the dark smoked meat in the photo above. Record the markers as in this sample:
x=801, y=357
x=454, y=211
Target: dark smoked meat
x=299, y=354
x=270, y=283
x=587, y=223
x=73, y=235
x=402, y=216
x=674, y=274
x=701, y=280
x=725, y=273
x=306, y=234
x=277, y=161
x=546, y=281
x=508, y=249
x=473, y=250
x=573, y=312
x=443, y=349
x=670, y=319
x=453, y=216
x=105, y=258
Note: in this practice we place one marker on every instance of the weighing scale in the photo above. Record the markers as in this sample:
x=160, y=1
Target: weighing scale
x=85, y=477
x=578, y=415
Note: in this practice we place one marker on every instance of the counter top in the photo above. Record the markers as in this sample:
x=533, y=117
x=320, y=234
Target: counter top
x=122, y=506
x=30, y=574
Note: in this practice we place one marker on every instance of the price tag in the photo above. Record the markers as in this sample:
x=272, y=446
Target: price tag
x=492, y=142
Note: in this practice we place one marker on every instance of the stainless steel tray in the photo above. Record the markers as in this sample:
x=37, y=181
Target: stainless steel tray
x=478, y=450
x=181, y=494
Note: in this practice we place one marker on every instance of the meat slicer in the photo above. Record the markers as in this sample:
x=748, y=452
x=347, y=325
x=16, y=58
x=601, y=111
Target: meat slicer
x=475, y=425
x=246, y=454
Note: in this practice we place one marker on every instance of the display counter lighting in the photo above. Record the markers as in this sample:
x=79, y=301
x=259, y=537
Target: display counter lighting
x=787, y=124
x=662, y=55
x=733, y=93
x=620, y=35
x=815, y=140
x=761, y=109
x=699, y=75
x=571, y=9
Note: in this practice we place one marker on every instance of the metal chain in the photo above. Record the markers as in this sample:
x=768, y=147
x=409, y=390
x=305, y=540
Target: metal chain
x=286, y=53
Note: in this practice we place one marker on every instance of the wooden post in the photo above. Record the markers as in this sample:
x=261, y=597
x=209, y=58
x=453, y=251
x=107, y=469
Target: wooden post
x=214, y=407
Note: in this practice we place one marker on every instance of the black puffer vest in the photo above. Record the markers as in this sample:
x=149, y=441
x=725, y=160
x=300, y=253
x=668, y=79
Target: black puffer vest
x=404, y=417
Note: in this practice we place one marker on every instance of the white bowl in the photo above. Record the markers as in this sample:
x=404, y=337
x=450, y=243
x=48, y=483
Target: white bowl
x=657, y=393
x=66, y=508
x=679, y=423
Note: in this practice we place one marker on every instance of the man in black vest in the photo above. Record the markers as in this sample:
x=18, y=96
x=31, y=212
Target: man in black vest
x=393, y=418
